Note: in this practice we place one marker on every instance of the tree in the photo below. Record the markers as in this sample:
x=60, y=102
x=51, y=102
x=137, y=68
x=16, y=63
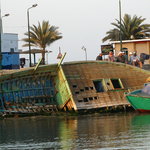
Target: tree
x=130, y=27
x=42, y=36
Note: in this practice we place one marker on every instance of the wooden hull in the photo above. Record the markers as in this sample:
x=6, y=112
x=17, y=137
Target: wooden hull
x=23, y=91
x=71, y=86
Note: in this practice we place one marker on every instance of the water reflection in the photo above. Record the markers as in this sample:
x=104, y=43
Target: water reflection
x=111, y=131
x=23, y=131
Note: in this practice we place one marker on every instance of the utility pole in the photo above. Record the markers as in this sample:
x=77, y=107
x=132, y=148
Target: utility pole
x=120, y=26
x=0, y=39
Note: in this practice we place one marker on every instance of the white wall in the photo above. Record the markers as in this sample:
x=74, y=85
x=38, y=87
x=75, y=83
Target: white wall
x=26, y=63
x=9, y=41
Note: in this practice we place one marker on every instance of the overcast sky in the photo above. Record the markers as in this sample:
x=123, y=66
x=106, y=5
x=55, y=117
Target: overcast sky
x=81, y=22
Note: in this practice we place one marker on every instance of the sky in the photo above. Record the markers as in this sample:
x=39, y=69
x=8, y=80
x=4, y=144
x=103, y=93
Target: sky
x=81, y=22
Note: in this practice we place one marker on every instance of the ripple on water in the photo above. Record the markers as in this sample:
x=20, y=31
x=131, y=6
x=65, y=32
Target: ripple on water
x=83, y=132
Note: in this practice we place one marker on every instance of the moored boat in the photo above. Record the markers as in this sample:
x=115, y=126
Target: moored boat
x=140, y=99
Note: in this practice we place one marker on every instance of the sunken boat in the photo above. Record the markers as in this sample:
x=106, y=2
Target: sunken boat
x=78, y=86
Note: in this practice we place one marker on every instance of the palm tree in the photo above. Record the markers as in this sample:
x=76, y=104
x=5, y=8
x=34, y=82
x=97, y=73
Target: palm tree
x=42, y=36
x=129, y=27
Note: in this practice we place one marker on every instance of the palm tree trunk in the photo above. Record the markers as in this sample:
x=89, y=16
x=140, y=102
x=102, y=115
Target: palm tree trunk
x=43, y=56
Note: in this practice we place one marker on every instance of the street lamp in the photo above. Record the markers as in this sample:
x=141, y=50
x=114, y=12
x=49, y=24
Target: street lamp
x=5, y=15
x=1, y=31
x=29, y=31
x=85, y=52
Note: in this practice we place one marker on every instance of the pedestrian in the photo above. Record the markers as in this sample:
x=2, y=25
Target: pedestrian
x=135, y=60
x=99, y=57
x=130, y=57
x=111, y=57
x=121, y=58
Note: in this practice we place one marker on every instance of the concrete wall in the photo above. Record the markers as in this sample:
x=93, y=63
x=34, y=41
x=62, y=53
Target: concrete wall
x=141, y=48
x=129, y=46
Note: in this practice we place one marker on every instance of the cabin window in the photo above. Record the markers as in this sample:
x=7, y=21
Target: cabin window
x=85, y=100
x=99, y=86
x=95, y=97
x=91, y=88
x=90, y=98
x=77, y=92
x=81, y=90
x=86, y=88
x=108, y=84
x=80, y=101
x=117, y=84
x=74, y=86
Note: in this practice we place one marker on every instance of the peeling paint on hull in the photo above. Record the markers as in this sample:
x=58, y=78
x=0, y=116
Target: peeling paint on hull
x=70, y=86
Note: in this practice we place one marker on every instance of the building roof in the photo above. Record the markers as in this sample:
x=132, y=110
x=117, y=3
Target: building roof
x=129, y=41
x=34, y=51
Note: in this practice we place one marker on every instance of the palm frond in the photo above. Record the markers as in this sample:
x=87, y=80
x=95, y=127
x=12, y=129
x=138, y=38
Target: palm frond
x=129, y=26
x=42, y=35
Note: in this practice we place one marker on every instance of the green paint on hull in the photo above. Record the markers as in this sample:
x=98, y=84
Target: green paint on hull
x=137, y=102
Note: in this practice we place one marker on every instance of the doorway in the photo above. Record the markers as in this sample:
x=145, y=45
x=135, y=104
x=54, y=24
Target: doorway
x=126, y=52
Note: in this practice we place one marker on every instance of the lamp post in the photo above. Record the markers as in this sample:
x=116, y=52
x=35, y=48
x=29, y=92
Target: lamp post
x=85, y=52
x=1, y=31
x=120, y=26
x=29, y=31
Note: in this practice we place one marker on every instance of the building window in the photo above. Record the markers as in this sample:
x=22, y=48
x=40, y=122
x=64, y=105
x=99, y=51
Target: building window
x=12, y=50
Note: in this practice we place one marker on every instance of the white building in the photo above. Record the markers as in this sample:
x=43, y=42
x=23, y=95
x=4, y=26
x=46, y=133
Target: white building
x=9, y=42
x=9, y=50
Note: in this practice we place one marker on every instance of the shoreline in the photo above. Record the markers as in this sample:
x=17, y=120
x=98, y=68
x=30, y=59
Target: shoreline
x=67, y=114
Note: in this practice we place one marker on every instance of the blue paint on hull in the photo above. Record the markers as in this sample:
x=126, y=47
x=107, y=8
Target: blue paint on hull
x=21, y=92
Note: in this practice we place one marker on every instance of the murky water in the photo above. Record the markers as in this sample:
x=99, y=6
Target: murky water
x=107, y=131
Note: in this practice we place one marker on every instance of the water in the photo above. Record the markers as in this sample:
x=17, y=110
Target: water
x=98, y=132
